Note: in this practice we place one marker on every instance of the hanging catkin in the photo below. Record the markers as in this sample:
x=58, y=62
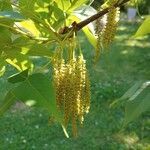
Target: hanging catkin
x=99, y=26
x=72, y=90
x=111, y=25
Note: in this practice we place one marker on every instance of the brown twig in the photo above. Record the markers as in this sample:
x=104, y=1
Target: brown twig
x=80, y=25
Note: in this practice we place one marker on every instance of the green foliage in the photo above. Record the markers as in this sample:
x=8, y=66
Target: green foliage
x=137, y=104
x=129, y=93
x=29, y=28
x=5, y=5
x=11, y=15
x=5, y=39
x=136, y=101
x=144, y=28
x=79, y=15
x=36, y=31
x=18, y=77
x=36, y=89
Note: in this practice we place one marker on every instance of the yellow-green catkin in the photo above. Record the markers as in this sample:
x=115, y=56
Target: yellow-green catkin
x=99, y=25
x=87, y=93
x=111, y=25
x=59, y=72
x=85, y=87
x=68, y=90
x=81, y=83
x=72, y=90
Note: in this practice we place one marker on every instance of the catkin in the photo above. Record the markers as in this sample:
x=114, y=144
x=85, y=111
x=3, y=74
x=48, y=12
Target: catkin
x=111, y=25
x=72, y=90
x=87, y=94
x=59, y=73
x=99, y=25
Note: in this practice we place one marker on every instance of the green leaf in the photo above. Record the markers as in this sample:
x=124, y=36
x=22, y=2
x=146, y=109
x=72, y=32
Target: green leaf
x=27, y=47
x=39, y=50
x=18, y=60
x=43, y=22
x=7, y=103
x=81, y=14
x=27, y=6
x=144, y=29
x=14, y=55
x=127, y=94
x=11, y=15
x=57, y=17
x=76, y=4
x=131, y=90
x=29, y=27
x=36, y=90
x=90, y=36
x=21, y=41
x=136, y=106
x=5, y=38
x=2, y=70
x=63, y=4
x=40, y=3
x=69, y=6
x=2, y=66
x=5, y=5
x=18, y=77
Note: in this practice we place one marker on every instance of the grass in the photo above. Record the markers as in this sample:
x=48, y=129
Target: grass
x=118, y=69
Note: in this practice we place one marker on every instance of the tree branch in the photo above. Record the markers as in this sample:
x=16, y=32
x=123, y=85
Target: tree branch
x=80, y=25
x=83, y=23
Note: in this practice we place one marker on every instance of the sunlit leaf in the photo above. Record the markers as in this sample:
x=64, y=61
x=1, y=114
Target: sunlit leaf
x=92, y=39
x=90, y=36
x=2, y=70
x=76, y=4
x=83, y=13
x=29, y=27
x=57, y=16
x=2, y=67
x=18, y=60
x=63, y=4
x=2, y=64
x=28, y=47
x=144, y=29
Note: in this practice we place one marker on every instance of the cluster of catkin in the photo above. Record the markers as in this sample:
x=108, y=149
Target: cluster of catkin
x=72, y=90
x=107, y=33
